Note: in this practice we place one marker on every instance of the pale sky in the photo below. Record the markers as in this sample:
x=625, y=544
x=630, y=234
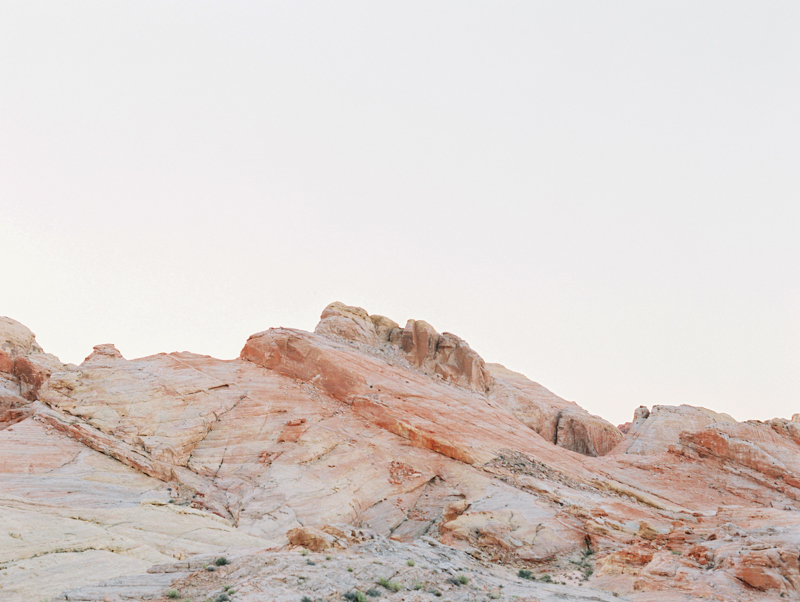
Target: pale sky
x=604, y=196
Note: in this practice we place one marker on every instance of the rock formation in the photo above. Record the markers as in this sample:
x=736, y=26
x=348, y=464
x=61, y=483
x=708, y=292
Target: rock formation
x=319, y=464
x=24, y=367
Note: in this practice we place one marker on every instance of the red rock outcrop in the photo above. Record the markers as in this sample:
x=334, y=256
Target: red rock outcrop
x=444, y=355
x=312, y=439
x=557, y=420
x=24, y=368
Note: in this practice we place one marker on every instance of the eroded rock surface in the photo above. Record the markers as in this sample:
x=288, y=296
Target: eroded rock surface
x=24, y=367
x=374, y=446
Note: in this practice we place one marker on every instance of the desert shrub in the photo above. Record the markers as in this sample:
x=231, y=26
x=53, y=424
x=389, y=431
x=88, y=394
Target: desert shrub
x=374, y=593
x=390, y=585
x=463, y=579
x=410, y=563
x=526, y=574
x=172, y=593
x=221, y=561
x=356, y=596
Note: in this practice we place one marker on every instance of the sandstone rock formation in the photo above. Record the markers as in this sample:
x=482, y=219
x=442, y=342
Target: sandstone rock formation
x=396, y=452
x=443, y=355
x=24, y=367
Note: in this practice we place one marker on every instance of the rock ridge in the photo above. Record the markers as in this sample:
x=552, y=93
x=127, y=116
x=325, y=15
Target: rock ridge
x=394, y=451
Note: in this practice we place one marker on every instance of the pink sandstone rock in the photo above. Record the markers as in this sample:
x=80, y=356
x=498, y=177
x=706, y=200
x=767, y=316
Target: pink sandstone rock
x=366, y=427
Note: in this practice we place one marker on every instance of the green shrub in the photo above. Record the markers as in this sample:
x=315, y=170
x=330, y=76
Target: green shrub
x=223, y=598
x=373, y=593
x=463, y=579
x=410, y=563
x=390, y=585
x=349, y=569
x=356, y=596
x=526, y=574
x=221, y=561
x=547, y=578
x=172, y=593
x=306, y=599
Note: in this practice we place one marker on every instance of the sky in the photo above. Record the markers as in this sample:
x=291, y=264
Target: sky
x=604, y=196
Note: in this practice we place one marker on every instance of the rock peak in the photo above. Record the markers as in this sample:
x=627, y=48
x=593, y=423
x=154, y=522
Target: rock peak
x=106, y=353
x=444, y=355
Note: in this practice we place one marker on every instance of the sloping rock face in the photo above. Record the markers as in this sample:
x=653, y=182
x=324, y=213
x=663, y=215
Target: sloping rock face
x=562, y=422
x=655, y=431
x=442, y=355
x=127, y=478
x=450, y=358
x=24, y=367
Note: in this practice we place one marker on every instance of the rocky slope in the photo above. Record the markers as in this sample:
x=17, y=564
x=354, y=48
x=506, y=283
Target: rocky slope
x=396, y=452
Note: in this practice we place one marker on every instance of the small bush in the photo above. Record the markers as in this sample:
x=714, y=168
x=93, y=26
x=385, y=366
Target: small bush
x=304, y=552
x=418, y=585
x=349, y=569
x=547, y=578
x=306, y=599
x=211, y=568
x=373, y=593
x=526, y=574
x=327, y=558
x=463, y=579
x=410, y=563
x=221, y=561
x=311, y=562
x=356, y=596
x=390, y=585
x=172, y=593
x=223, y=598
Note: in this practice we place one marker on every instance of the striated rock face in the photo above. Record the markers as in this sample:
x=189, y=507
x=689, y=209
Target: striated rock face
x=366, y=441
x=557, y=420
x=24, y=367
x=351, y=323
x=444, y=355
x=654, y=432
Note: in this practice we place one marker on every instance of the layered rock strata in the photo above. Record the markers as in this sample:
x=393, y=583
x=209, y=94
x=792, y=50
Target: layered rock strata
x=365, y=440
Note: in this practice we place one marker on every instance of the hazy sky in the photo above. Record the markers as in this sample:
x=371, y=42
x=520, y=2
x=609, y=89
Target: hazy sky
x=604, y=196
